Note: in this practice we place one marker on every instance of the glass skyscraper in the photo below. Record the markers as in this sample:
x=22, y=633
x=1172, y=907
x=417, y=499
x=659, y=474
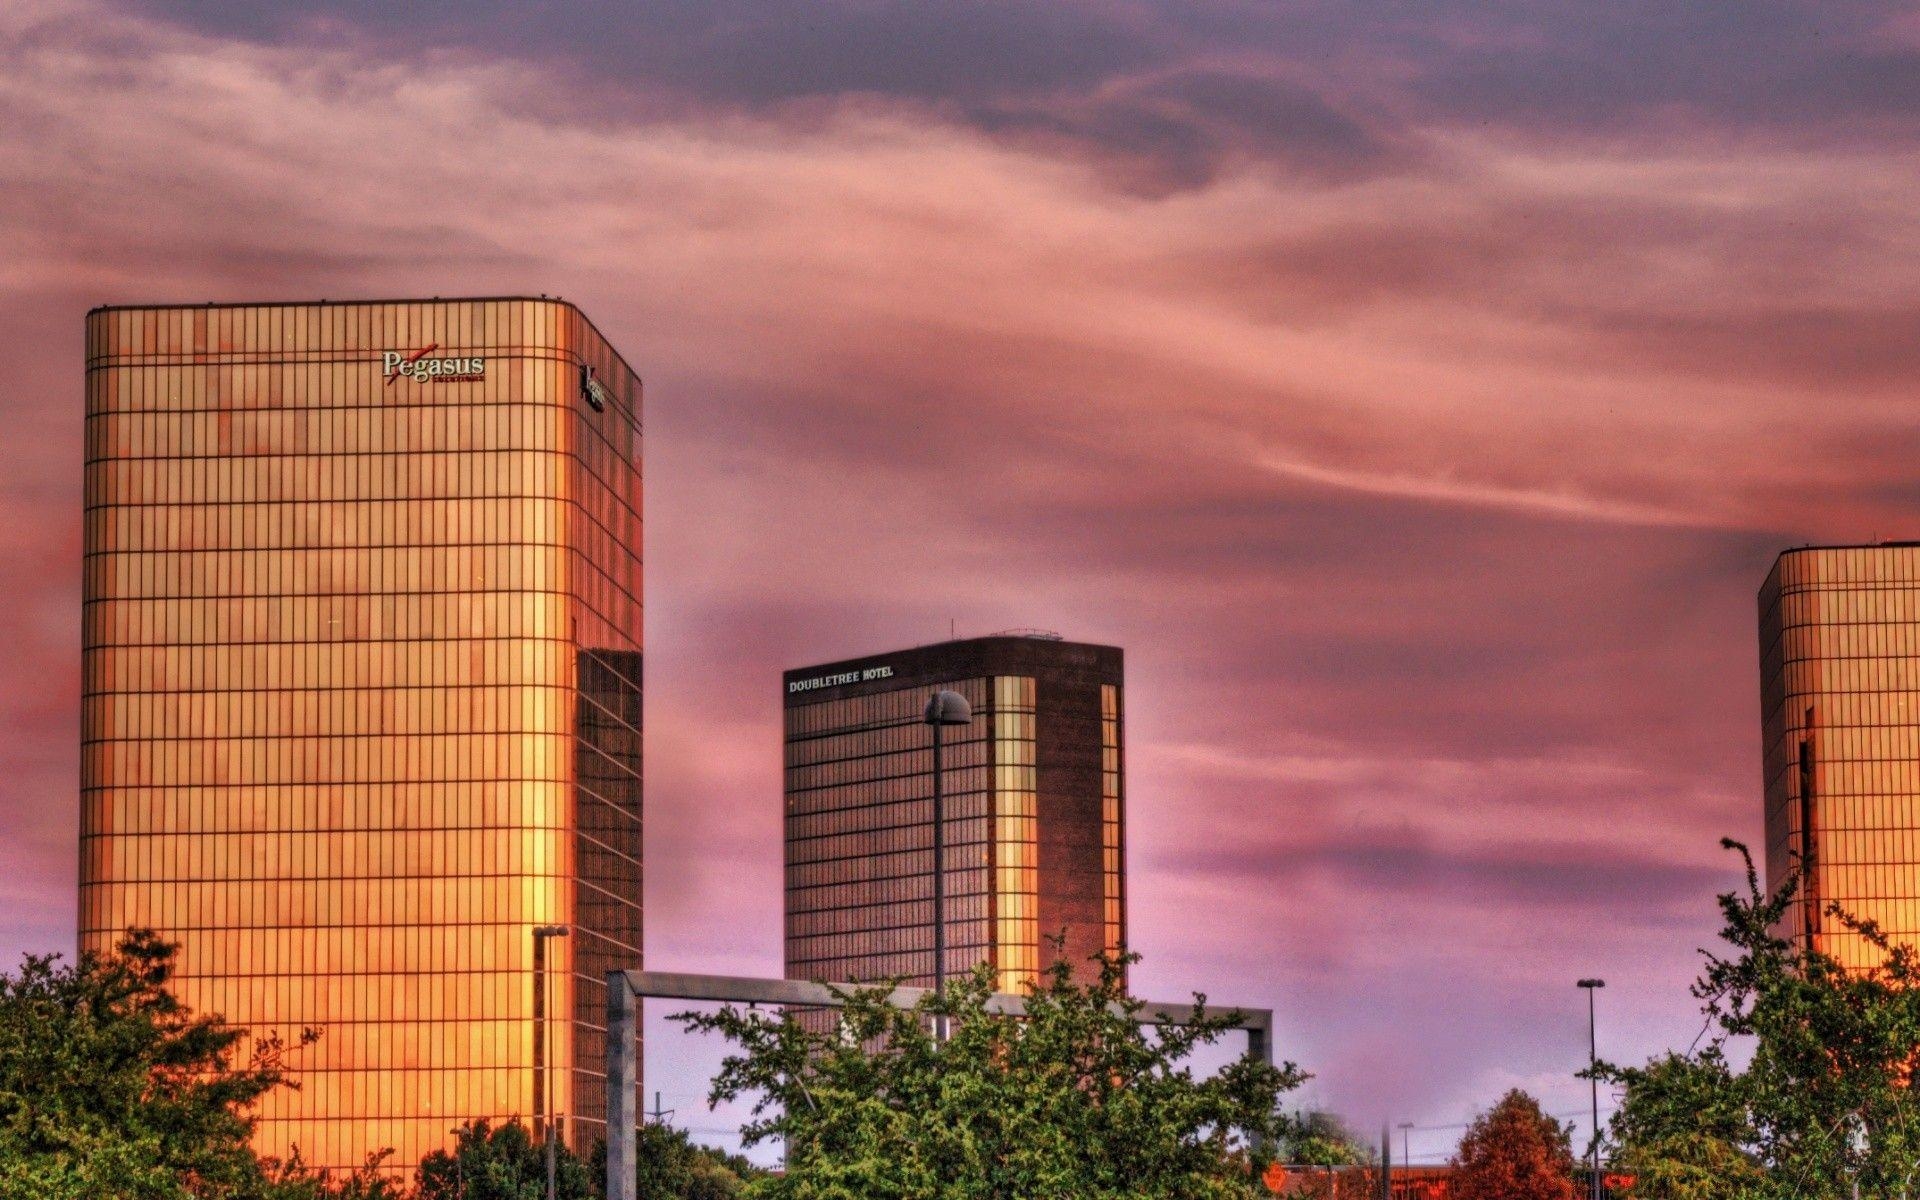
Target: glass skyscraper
x=362, y=666
x=1034, y=816
x=1840, y=697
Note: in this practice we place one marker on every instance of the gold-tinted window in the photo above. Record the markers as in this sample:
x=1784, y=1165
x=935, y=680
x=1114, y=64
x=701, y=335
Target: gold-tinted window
x=1016, y=851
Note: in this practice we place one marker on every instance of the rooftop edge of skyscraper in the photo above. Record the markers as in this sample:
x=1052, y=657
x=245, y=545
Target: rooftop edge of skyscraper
x=1771, y=582
x=996, y=653
x=369, y=301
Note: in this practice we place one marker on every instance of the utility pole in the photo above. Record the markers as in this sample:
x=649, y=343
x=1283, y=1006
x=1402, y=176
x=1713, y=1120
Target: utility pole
x=658, y=1114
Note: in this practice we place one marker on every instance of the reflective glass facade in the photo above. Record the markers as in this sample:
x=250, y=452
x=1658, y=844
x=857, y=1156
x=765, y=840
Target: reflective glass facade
x=1033, y=810
x=1113, y=847
x=1840, y=695
x=362, y=665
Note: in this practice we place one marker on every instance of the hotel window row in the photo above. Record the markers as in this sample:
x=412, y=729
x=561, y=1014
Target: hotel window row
x=317, y=524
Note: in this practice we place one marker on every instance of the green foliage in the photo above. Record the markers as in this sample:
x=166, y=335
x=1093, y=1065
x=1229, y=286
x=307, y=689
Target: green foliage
x=1514, y=1152
x=1321, y=1139
x=1321, y=1142
x=1073, y=1102
x=109, y=1086
x=1824, y=1105
x=501, y=1162
x=669, y=1166
x=1681, y=1129
x=372, y=1181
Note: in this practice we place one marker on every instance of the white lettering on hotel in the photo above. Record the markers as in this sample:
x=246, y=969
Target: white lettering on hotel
x=845, y=677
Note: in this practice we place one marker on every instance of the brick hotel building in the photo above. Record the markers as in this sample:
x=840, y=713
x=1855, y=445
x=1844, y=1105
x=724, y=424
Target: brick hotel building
x=362, y=664
x=1034, y=810
x=1840, y=702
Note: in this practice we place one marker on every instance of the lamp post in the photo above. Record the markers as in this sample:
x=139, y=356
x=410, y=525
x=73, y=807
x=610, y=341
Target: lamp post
x=1406, y=1156
x=1593, y=1080
x=459, y=1168
x=944, y=708
x=543, y=1091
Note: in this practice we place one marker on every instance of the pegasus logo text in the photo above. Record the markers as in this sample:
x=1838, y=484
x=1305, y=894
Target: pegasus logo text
x=420, y=365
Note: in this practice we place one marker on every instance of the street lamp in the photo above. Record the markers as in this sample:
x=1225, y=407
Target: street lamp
x=459, y=1168
x=943, y=709
x=1593, y=1080
x=1406, y=1155
x=543, y=1068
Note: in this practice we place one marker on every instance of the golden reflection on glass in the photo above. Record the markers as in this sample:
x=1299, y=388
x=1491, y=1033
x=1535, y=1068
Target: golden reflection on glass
x=1113, y=874
x=1840, y=688
x=362, y=693
x=1016, y=872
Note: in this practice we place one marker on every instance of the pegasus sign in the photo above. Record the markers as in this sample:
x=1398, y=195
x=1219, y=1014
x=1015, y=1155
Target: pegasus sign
x=423, y=366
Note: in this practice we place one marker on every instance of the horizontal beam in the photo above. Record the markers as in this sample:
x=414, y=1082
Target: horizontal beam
x=741, y=989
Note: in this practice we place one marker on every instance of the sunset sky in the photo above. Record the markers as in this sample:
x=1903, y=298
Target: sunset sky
x=1419, y=393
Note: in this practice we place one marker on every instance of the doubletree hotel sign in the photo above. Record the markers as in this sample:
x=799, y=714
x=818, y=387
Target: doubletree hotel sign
x=844, y=677
x=425, y=367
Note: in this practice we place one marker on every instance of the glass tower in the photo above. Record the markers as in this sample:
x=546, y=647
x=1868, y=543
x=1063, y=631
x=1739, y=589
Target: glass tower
x=362, y=657
x=1033, y=811
x=1840, y=695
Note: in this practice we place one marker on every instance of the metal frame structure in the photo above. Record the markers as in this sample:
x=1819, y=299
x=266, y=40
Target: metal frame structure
x=626, y=988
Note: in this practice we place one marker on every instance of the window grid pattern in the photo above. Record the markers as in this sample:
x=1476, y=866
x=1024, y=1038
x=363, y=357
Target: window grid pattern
x=1016, y=884
x=361, y=695
x=859, y=837
x=1113, y=874
x=1840, y=674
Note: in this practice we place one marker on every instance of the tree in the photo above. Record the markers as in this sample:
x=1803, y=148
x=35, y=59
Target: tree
x=1323, y=1143
x=500, y=1162
x=669, y=1166
x=1322, y=1139
x=109, y=1086
x=1318, y=1139
x=1514, y=1152
x=1681, y=1129
x=1073, y=1102
x=293, y=1180
x=1825, y=1105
